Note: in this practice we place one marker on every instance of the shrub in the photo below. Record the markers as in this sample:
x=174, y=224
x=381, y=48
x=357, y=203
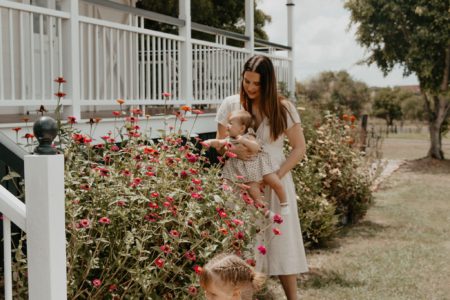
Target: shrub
x=338, y=167
x=143, y=217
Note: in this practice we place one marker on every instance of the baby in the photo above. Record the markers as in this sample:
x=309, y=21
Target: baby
x=253, y=171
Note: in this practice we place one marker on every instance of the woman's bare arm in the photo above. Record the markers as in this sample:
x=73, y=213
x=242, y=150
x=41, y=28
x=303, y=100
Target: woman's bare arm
x=297, y=142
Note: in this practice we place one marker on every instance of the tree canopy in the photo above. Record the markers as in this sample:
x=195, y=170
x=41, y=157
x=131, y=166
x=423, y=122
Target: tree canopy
x=414, y=34
x=337, y=92
x=223, y=14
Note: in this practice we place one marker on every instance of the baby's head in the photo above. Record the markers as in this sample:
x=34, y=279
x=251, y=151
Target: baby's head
x=239, y=122
x=227, y=277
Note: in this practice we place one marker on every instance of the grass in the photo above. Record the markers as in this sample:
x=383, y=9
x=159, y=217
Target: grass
x=401, y=249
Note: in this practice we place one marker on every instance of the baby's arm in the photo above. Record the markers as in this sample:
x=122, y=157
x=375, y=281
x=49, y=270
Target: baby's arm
x=218, y=144
x=251, y=144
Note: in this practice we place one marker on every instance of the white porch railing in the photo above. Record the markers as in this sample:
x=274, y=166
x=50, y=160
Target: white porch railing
x=43, y=220
x=105, y=60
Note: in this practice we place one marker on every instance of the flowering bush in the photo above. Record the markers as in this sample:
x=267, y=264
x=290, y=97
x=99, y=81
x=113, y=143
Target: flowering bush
x=144, y=216
x=337, y=167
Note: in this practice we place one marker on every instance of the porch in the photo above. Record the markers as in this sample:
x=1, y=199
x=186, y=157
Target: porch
x=104, y=51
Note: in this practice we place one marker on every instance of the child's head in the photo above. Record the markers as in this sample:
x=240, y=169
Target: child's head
x=227, y=276
x=239, y=122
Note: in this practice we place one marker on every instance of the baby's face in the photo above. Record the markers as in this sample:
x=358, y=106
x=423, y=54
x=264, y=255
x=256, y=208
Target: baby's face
x=221, y=291
x=235, y=127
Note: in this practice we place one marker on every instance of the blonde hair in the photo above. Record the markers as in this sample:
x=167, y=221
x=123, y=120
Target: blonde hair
x=244, y=117
x=231, y=269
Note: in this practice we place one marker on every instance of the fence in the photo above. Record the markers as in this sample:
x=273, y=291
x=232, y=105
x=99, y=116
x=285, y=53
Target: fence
x=104, y=60
x=42, y=219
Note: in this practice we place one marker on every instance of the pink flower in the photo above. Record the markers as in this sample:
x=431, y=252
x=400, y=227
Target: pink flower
x=154, y=195
x=104, y=220
x=198, y=269
x=238, y=222
x=276, y=231
x=277, y=219
x=197, y=112
x=196, y=181
x=192, y=290
x=166, y=204
x=115, y=148
x=96, y=283
x=174, y=233
x=116, y=113
x=84, y=223
x=166, y=94
x=196, y=195
x=262, y=249
x=150, y=174
x=120, y=203
x=159, y=262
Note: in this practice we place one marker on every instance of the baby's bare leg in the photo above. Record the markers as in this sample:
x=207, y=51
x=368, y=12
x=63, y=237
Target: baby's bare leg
x=275, y=184
x=255, y=192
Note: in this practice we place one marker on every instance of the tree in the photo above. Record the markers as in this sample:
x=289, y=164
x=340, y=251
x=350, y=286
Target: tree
x=337, y=92
x=386, y=105
x=223, y=14
x=414, y=34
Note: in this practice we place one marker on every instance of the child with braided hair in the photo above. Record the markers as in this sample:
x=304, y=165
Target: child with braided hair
x=228, y=277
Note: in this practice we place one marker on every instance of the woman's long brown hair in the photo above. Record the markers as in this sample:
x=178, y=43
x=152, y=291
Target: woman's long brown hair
x=270, y=103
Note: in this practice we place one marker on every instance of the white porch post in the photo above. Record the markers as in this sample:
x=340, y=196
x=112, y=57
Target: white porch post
x=71, y=43
x=250, y=25
x=291, y=43
x=186, y=93
x=45, y=223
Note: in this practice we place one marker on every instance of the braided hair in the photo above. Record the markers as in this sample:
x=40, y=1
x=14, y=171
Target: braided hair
x=231, y=269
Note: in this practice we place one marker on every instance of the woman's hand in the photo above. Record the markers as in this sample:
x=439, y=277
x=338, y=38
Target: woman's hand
x=243, y=152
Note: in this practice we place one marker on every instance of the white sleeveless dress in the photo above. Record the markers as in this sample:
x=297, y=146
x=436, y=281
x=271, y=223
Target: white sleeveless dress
x=285, y=253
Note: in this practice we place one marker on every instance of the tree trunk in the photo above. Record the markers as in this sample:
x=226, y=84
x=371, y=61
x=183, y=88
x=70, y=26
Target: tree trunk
x=437, y=113
x=435, y=140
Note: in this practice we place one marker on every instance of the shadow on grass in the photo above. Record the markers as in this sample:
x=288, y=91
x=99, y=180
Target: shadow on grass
x=316, y=279
x=428, y=166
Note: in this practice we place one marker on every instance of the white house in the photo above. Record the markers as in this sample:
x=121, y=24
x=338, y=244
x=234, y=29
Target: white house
x=104, y=52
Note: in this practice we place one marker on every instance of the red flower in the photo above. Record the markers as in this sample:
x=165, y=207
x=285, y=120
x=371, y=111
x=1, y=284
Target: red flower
x=103, y=172
x=251, y=262
x=223, y=231
x=221, y=212
x=276, y=231
x=71, y=120
x=121, y=203
x=153, y=205
x=166, y=204
x=17, y=129
x=277, y=219
x=262, y=249
x=28, y=136
x=196, y=181
x=104, y=220
x=166, y=249
x=238, y=222
x=196, y=196
x=112, y=288
x=151, y=174
x=198, y=269
x=166, y=94
x=154, y=195
x=96, y=283
x=116, y=113
x=60, y=80
x=170, y=199
x=239, y=235
x=126, y=173
x=60, y=94
x=183, y=174
x=115, y=148
x=159, y=262
x=190, y=255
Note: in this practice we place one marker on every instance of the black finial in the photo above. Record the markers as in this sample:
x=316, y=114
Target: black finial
x=45, y=130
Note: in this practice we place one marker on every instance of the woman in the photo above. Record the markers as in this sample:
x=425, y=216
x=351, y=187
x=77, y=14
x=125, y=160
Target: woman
x=275, y=119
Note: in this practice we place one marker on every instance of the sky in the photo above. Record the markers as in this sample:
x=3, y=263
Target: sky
x=323, y=41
